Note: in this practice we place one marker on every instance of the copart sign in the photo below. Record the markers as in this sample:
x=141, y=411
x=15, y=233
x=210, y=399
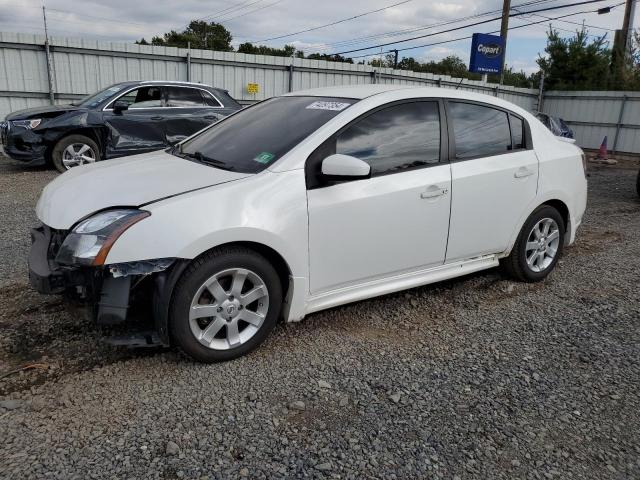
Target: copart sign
x=486, y=53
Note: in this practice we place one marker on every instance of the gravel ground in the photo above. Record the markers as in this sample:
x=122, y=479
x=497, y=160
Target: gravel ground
x=474, y=378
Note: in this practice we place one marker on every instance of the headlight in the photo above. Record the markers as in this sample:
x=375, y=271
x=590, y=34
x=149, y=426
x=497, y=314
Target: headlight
x=91, y=239
x=28, y=124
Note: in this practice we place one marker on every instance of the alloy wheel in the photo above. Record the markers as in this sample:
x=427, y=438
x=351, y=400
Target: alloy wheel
x=542, y=244
x=229, y=309
x=77, y=154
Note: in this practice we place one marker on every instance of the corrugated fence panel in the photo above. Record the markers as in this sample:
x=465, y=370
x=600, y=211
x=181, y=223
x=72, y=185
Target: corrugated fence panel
x=594, y=115
x=83, y=66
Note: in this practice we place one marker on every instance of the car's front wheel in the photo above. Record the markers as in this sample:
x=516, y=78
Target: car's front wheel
x=225, y=304
x=538, y=247
x=73, y=151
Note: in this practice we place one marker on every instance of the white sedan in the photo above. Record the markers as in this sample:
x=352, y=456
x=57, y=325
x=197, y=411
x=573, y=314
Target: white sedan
x=307, y=201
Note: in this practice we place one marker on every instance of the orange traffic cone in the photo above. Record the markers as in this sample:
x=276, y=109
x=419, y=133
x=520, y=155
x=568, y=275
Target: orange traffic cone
x=602, y=153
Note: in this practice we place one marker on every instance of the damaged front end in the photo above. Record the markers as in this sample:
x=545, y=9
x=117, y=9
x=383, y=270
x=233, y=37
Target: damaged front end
x=72, y=262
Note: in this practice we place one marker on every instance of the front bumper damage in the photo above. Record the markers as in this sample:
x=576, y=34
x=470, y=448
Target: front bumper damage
x=136, y=291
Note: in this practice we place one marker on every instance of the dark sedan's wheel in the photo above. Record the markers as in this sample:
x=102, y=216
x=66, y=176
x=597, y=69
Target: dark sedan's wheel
x=225, y=305
x=74, y=150
x=538, y=247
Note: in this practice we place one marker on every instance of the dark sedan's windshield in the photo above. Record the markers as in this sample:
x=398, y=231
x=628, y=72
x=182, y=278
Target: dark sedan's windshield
x=255, y=138
x=97, y=98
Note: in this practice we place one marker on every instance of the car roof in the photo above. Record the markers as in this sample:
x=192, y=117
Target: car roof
x=361, y=92
x=170, y=82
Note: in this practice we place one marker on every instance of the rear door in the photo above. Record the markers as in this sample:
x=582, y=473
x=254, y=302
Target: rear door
x=494, y=173
x=189, y=109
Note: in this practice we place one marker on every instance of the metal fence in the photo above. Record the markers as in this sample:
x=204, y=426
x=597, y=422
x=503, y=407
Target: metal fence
x=79, y=67
x=594, y=115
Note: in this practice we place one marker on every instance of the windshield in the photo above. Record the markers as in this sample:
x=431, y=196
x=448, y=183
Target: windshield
x=252, y=139
x=97, y=98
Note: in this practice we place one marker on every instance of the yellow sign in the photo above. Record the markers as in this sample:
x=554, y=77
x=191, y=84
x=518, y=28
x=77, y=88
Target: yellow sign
x=253, y=87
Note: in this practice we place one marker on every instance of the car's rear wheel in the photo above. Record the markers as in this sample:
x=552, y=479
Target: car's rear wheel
x=225, y=304
x=538, y=247
x=73, y=151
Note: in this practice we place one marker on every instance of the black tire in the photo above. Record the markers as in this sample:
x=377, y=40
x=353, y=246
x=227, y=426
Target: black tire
x=58, y=150
x=516, y=263
x=638, y=184
x=198, y=272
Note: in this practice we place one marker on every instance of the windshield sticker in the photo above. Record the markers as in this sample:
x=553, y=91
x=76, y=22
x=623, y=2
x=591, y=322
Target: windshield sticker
x=333, y=106
x=264, y=157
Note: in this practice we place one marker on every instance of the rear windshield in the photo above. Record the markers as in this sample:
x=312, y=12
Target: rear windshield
x=258, y=136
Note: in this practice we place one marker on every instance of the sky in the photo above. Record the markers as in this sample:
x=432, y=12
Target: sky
x=253, y=20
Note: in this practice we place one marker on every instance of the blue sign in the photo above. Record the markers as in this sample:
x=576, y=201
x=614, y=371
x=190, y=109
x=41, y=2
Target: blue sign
x=486, y=53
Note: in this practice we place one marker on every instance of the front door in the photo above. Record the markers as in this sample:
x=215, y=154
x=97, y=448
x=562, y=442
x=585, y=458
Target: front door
x=494, y=179
x=394, y=222
x=140, y=128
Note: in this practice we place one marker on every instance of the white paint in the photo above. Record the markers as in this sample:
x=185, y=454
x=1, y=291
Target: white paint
x=342, y=242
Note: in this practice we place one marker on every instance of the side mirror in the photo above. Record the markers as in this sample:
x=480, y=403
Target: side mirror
x=120, y=106
x=340, y=167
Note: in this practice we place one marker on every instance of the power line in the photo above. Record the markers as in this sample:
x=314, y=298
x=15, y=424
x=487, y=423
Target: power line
x=354, y=41
x=252, y=11
x=470, y=36
x=468, y=25
x=333, y=23
x=573, y=23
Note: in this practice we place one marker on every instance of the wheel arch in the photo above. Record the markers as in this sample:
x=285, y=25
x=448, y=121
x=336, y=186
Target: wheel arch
x=165, y=282
x=94, y=133
x=554, y=202
x=563, y=209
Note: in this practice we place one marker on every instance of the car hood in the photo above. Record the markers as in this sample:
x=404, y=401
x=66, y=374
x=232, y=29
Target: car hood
x=125, y=182
x=48, y=111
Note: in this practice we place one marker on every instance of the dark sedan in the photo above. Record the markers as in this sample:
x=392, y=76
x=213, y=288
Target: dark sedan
x=123, y=119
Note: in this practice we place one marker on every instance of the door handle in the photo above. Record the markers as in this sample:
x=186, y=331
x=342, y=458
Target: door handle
x=210, y=117
x=523, y=172
x=157, y=118
x=434, y=191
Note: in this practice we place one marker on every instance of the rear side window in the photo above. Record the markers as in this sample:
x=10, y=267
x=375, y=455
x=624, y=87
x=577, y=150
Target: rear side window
x=184, y=97
x=396, y=138
x=479, y=130
x=517, y=132
x=209, y=100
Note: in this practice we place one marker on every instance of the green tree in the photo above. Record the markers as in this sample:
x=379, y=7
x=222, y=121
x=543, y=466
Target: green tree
x=575, y=63
x=329, y=57
x=247, y=47
x=201, y=34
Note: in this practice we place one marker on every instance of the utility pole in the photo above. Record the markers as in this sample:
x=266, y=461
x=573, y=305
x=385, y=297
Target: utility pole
x=631, y=4
x=395, y=59
x=622, y=43
x=504, y=29
x=47, y=52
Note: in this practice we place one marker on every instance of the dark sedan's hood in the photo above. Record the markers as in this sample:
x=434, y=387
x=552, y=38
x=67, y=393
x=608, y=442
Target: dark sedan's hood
x=47, y=111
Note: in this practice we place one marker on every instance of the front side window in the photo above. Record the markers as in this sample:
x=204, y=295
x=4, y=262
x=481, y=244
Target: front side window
x=184, y=97
x=479, y=130
x=256, y=137
x=397, y=138
x=143, y=97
